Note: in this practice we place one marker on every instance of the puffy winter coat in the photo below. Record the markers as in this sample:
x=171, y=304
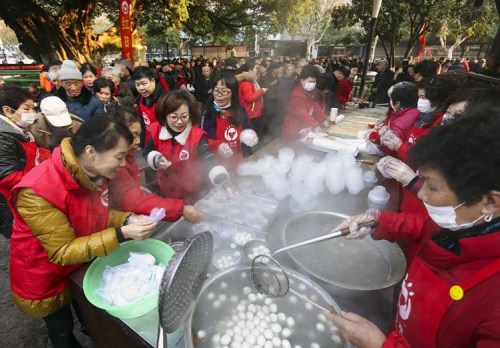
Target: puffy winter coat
x=304, y=111
x=56, y=230
x=250, y=94
x=42, y=131
x=85, y=105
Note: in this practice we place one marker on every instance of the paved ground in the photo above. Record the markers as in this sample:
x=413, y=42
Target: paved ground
x=16, y=329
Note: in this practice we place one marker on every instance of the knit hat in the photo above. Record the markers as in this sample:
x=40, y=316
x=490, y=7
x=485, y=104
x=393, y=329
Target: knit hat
x=69, y=71
x=128, y=64
x=55, y=111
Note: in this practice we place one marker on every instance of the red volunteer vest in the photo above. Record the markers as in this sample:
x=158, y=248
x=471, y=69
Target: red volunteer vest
x=148, y=115
x=34, y=156
x=183, y=177
x=425, y=299
x=32, y=274
x=230, y=134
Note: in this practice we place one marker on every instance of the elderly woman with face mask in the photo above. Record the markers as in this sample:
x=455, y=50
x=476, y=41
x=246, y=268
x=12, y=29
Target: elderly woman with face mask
x=449, y=296
x=19, y=152
x=305, y=109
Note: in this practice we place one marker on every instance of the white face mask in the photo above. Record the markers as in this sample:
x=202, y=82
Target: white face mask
x=446, y=217
x=309, y=86
x=424, y=106
x=27, y=119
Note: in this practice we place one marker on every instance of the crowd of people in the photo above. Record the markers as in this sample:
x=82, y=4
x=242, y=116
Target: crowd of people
x=71, y=191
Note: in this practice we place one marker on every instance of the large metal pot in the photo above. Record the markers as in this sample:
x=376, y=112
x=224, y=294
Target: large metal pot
x=352, y=264
x=211, y=314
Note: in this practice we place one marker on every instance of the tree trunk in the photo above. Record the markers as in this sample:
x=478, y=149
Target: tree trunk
x=493, y=56
x=372, y=48
x=392, y=56
x=457, y=43
x=45, y=37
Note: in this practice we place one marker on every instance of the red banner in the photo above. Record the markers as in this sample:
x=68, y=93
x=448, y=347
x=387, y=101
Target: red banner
x=126, y=31
x=421, y=40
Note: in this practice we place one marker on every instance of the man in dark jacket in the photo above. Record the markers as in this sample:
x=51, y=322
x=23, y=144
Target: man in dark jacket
x=169, y=75
x=79, y=100
x=383, y=81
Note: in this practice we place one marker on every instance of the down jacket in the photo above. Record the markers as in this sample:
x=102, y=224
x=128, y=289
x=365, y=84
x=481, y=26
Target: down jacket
x=250, y=94
x=85, y=105
x=55, y=231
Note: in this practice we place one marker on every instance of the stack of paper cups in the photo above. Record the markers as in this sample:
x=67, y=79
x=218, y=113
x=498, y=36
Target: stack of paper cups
x=333, y=114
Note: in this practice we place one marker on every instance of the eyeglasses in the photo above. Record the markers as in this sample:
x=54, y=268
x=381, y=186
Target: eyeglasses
x=174, y=118
x=222, y=92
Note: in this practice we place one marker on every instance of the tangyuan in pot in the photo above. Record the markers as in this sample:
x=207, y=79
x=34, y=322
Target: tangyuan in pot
x=230, y=312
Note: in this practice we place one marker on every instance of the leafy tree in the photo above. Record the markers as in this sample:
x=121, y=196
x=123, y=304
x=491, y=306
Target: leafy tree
x=463, y=21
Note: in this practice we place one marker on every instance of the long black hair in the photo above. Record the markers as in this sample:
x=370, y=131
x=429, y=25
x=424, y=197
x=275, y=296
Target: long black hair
x=229, y=80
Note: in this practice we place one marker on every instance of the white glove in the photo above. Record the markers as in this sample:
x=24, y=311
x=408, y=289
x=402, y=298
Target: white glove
x=381, y=167
x=383, y=130
x=249, y=137
x=225, y=150
x=399, y=170
x=373, y=149
x=391, y=140
x=157, y=161
x=371, y=215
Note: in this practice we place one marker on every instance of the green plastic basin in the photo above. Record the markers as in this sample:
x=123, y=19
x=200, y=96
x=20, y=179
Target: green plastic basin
x=93, y=277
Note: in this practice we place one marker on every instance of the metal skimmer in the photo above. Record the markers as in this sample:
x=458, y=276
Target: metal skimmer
x=182, y=283
x=271, y=279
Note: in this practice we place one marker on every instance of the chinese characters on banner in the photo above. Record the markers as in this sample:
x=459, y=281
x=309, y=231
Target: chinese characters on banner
x=126, y=31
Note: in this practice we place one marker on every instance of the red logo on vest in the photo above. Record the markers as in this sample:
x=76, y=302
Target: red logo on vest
x=147, y=121
x=105, y=198
x=230, y=134
x=184, y=155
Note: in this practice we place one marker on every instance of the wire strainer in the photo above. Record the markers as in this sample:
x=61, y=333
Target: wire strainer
x=182, y=282
x=272, y=280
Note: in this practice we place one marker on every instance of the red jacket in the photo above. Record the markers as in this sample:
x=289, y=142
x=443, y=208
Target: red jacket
x=304, y=111
x=184, y=176
x=250, y=96
x=470, y=321
x=32, y=274
x=414, y=134
x=125, y=194
x=344, y=89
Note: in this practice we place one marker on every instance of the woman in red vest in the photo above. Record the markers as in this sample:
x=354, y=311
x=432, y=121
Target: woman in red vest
x=125, y=191
x=226, y=123
x=449, y=296
x=178, y=146
x=19, y=152
x=62, y=220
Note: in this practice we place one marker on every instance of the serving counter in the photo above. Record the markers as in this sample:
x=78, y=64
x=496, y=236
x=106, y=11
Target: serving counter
x=376, y=305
